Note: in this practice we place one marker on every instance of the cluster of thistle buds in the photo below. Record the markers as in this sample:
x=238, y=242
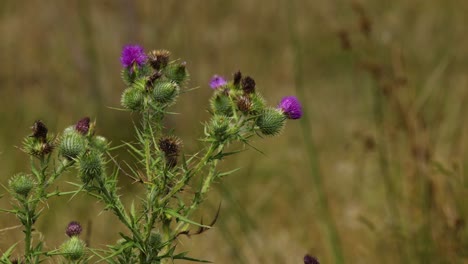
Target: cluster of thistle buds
x=240, y=96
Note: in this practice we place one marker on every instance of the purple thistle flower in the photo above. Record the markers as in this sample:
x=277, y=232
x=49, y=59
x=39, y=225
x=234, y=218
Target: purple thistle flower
x=132, y=54
x=217, y=81
x=83, y=125
x=73, y=229
x=308, y=259
x=291, y=107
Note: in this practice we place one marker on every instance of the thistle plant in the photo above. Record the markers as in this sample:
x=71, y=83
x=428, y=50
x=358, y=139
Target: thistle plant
x=163, y=210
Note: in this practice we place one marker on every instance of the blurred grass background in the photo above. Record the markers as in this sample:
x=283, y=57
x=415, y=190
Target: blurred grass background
x=60, y=62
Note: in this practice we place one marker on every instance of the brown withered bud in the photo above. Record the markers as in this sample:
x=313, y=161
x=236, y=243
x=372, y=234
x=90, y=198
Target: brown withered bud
x=244, y=104
x=159, y=58
x=248, y=85
x=237, y=78
x=39, y=131
x=171, y=146
x=153, y=77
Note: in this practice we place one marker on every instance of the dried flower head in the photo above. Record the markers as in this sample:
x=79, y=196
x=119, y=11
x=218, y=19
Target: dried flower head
x=237, y=78
x=248, y=85
x=73, y=229
x=244, y=104
x=291, y=107
x=82, y=125
x=39, y=131
x=217, y=81
x=171, y=146
x=308, y=259
x=159, y=58
x=133, y=55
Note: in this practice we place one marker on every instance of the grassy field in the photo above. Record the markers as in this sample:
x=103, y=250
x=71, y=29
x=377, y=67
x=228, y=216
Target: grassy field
x=375, y=172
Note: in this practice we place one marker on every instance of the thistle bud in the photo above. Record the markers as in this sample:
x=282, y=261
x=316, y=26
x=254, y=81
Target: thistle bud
x=73, y=249
x=72, y=145
x=155, y=240
x=133, y=99
x=100, y=143
x=219, y=128
x=248, y=85
x=165, y=92
x=90, y=166
x=159, y=58
x=176, y=72
x=73, y=229
x=39, y=131
x=258, y=103
x=21, y=184
x=221, y=104
x=171, y=147
x=271, y=121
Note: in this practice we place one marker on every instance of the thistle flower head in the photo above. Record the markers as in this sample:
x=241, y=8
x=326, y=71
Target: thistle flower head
x=131, y=55
x=308, y=259
x=82, y=125
x=39, y=131
x=217, y=81
x=237, y=78
x=291, y=107
x=159, y=58
x=248, y=85
x=73, y=229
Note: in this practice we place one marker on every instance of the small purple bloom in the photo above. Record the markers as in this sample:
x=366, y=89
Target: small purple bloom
x=308, y=259
x=73, y=229
x=291, y=107
x=132, y=54
x=83, y=125
x=217, y=81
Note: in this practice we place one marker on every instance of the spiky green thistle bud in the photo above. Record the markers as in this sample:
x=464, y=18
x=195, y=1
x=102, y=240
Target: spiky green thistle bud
x=165, y=92
x=133, y=99
x=21, y=184
x=220, y=129
x=258, y=103
x=271, y=121
x=100, y=143
x=90, y=166
x=72, y=144
x=176, y=72
x=73, y=249
x=155, y=240
x=221, y=104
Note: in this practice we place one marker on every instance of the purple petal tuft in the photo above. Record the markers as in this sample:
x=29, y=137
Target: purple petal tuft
x=291, y=107
x=217, y=81
x=133, y=54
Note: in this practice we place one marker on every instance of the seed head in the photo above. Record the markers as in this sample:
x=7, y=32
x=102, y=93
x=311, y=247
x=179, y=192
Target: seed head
x=171, y=146
x=159, y=58
x=291, y=107
x=244, y=104
x=217, y=81
x=248, y=85
x=73, y=229
x=133, y=55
